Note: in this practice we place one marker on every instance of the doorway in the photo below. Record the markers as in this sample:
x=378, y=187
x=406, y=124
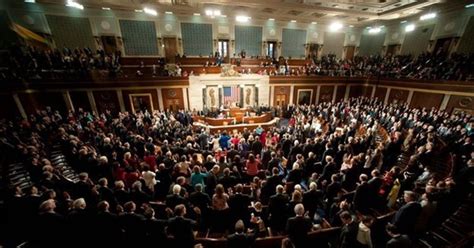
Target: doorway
x=443, y=45
x=171, y=49
x=280, y=100
x=271, y=49
x=223, y=49
x=392, y=50
x=350, y=50
x=109, y=44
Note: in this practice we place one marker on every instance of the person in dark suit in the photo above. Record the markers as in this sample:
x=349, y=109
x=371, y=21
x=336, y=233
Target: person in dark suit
x=48, y=223
x=362, y=195
x=406, y=217
x=78, y=223
x=175, y=199
x=181, y=228
x=106, y=225
x=240, y=239
x=350, y=228
x=132, y=225
x=274, y=161
x=154, y=229
x=278, y=209
x=313, y=199
x=298, y=227
x=239, y=205
x=398, y=240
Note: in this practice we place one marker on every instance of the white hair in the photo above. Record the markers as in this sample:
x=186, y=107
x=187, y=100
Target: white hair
x=176, y=189
x=79, y=203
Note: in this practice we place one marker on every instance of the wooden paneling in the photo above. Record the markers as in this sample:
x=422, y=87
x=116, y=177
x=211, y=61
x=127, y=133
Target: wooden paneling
x=399, y=96
x=325, y=93
x=341, y=91
x=126, y=97
x=380, y=93
x=80, y=100
x=39, y=101
x=460, y=102
x=9, y=109
x=360, y=90
x=106, y=100
x=426, y=100
x=173, y=98
x=283, y=91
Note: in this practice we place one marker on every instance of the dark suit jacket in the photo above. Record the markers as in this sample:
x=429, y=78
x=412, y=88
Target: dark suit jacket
x=406, y=217
x=240, y=240
x=278, y=209
x=174, y=200
x=182, y=230
x=297, y=229
x=312, y=199
x=401, y=241
x=362, y=198
x=349, y=235
x=239, y=207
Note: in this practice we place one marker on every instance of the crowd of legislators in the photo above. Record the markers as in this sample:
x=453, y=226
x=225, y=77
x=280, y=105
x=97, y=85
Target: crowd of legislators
x=151, y=179
x=30, y=63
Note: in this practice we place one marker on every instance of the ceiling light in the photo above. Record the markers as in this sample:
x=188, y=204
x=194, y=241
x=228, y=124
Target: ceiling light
x=72, y=4
x=105, y=8
x=351, y=26
x=428, y=16
x=469, y=5
x=271, y=19
x=293, y=21
x=314, y=23
x=242, y=18
x=335, y=26
x=410, y=27
x=168, y=12
x=209, y=12
x=150, y=11
x=375, y=30
x=197, y=14
x=404, y=21
x=30, y=1
x=216, y=12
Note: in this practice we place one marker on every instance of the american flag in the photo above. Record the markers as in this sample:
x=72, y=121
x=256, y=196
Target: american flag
x=231, y=95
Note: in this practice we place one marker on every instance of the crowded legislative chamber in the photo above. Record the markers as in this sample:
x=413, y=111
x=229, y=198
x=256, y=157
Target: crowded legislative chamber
x=237, y=123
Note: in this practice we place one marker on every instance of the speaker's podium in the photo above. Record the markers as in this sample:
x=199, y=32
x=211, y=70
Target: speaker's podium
x=238, y=113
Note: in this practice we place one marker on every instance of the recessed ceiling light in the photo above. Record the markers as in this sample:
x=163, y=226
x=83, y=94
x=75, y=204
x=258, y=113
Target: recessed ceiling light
x=351, y=26
x=469, y=6
x=314, y=23
x=72, y=4
x=410, y=27
x=150, y=11
x=375, y=30
x=242, y=18
x=168, y=12
x=271, y=19
x=197, y=14
x=30, y=1
x=335, y=26
x=105, y=8
x=404, y=21
x=139, y=10
x=293, y=20
x=428, y=16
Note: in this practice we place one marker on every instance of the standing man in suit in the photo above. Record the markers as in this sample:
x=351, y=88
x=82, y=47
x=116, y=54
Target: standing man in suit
x=349, y=231
x=181, y=228
x=298, y=227
x=398, y=240
x=240, y=239
x=406, y=217
x=239, y=205
x=278, y=207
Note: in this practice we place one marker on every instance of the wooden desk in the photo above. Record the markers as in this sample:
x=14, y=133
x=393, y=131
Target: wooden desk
x=238, y=127
x=257, y=119
x=214, y=121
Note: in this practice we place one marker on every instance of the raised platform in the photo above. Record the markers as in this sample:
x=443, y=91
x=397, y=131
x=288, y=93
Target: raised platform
x=230, y=128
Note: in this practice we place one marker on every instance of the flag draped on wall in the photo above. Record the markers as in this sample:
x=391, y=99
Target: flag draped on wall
x=27, y=34
x=231, y=95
